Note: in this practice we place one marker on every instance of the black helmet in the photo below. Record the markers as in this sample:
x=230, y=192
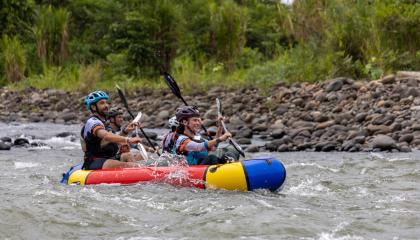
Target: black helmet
x=113, y=112
x=186, y=112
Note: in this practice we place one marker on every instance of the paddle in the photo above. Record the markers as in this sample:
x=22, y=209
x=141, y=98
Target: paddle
x=231, y=141
x=140, y=146
x=124, y=100
x=177, y=92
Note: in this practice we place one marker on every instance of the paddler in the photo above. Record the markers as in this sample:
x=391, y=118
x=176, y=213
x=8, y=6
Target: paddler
x=167, y=144
x=116, y=121
x=186, y=140
x=99, y=143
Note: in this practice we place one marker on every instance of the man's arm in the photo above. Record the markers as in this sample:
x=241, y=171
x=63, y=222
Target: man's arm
x=198, y=147
x=110, y=137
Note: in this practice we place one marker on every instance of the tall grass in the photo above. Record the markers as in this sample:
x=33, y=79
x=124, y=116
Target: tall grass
x=14, y=59
x=72, y=77
x=51, y=34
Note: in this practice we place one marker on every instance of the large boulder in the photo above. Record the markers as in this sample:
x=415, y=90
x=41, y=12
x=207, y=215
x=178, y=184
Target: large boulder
x=151, y=135
x=260, y=127
x=278, y=124
x=406, y=138
x=65, y=134
x=164, y=114
x=325, y=124
x=6, y=139
x=244, y=133
x=278, y=133
x=252, y=149
x=378, y=129
x=326, y=146
x=21, y=142
x=319, y=116
x=334, y=85
x=245, y=141
x=383, y=142
x=4, y=146
x=67, y=116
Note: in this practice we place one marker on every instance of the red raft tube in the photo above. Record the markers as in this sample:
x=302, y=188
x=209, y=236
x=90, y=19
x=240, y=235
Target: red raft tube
x=247, y=175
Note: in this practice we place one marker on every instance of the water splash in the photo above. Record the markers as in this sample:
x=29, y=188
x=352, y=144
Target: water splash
x=178, y=168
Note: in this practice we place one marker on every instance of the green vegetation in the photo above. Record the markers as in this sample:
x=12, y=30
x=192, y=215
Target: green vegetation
x=89, y=44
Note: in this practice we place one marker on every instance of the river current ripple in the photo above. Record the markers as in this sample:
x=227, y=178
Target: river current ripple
x=326, y=196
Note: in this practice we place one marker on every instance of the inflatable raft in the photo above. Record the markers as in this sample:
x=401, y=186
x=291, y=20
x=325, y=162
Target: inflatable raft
x=246, y=175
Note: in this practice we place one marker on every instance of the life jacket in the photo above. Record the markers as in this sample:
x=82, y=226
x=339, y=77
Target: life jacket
x=93, y=148
x=168, y=142
x=180, y=141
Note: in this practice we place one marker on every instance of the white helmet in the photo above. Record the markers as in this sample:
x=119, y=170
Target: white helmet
x=173, y=122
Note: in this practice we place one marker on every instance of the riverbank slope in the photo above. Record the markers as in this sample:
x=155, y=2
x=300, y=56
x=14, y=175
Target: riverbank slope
x=336, y=115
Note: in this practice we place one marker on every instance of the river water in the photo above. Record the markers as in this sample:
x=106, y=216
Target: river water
x=326, y=196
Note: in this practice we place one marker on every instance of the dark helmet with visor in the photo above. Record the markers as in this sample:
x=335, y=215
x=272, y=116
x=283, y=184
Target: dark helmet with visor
x=186, y=112
x=113, y=112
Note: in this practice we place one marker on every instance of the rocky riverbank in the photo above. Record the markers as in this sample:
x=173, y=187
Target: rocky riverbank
x=336, y=115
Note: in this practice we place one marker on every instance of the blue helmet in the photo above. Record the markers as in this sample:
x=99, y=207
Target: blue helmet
x=94, y=97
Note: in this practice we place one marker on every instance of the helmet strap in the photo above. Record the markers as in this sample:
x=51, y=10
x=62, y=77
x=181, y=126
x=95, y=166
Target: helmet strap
x=189, y=129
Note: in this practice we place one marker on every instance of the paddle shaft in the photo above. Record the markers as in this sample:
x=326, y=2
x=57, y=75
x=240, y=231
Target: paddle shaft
x=231, y=141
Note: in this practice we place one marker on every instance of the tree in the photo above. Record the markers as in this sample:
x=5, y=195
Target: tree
x=14, y=14
x=150, y=34
x=229, y=23
x=51, y=34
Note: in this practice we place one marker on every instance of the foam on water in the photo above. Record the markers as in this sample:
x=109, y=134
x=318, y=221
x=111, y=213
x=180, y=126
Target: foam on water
x=333, y=234
x=19, y=165
x=392, y=199
x=294, y=165
x=63, y=143
x=394, y=159
x=329, y=236
x=308, y=187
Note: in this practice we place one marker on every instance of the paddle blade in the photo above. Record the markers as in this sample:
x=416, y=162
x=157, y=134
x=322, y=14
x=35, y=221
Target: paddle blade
x=170, y=81
x=137, y=119
x=237, y=147
x=219, y=107
x=143, y=152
